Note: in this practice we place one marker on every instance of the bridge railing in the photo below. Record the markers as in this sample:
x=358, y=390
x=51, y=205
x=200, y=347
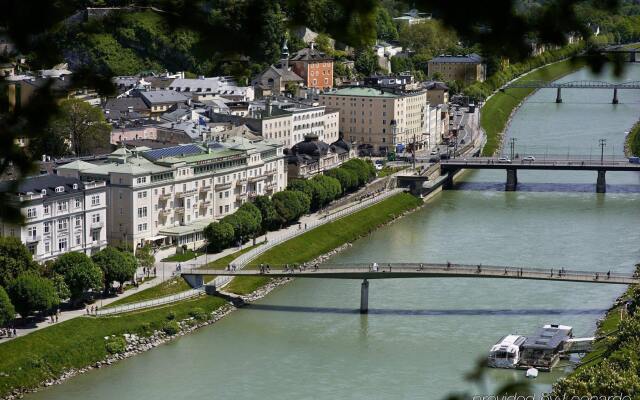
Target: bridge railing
x=451, y=268
x=544, y=160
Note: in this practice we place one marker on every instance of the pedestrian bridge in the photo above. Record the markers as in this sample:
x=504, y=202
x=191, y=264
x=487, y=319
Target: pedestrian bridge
x=365, y=272
x=583, y=84
x=601, y=165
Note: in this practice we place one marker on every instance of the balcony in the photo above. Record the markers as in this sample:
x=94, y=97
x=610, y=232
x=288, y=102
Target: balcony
x=164, y=196
x=204, y=188
x=257, y=178
x=270, y=172
x=165, y=211
x=33, y=239
x=186, y=193
x=179, y=210
x=272, y=185
x=223, y=186
x=97, y=225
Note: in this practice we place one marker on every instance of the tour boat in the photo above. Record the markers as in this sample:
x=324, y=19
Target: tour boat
x=506, y=353
x=531, y=373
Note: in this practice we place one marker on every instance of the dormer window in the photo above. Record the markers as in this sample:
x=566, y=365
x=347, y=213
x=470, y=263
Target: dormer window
x=60, y=189
x=43, y=192
x=75, y=186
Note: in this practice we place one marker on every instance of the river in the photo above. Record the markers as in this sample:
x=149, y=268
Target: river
x=307, y=341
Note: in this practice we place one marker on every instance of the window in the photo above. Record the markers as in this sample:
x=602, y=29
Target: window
x=143, y=194
x=220, y=209
x=78, y=240
x=78, y=204
x=96, y=218
x=95, y=200
x=32, y=232
x=62, y=244
x=47, y=247
x=226, y=208
x=142, y=212
x=142, y=227
x=32, y=248
x=47, y=227
x=78, y=221
x=141, y=180
x=31, y=212
x=95, y=236
x=63, y=223
x=46, y=209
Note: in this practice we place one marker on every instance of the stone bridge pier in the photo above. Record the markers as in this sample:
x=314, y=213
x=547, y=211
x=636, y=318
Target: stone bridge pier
x=601, y=183
x=559, y=96
x=512, y=180
x=364, y=297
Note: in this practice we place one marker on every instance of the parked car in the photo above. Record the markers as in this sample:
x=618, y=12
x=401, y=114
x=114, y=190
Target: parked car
x=529, y=158
x=634, y=160
x=379, y=167
x=434, y=152
x=504, y=160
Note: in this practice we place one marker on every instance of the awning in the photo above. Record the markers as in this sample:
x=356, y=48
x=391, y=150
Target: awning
x=154, y=238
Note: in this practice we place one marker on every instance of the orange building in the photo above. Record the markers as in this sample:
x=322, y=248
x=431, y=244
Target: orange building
x=314, y=67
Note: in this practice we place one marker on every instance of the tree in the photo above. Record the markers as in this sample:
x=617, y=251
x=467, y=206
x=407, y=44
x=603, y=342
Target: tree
x=62, y=290
x=270, y=219
x=429, y=38
x=220, y=235
x=301, y=185
x=291, y=205
x=116, y=266
x=253, y=211
x=15, y=259
x=7, y=311
x=366, y=61
x=347, y=178
x=83, y=125
x=145, y=257
x=80, y=274
x=30, y=293
x=385, y=28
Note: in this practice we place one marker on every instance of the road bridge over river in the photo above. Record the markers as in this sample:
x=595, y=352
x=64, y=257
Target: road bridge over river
x=452, y=166
x=583, y=84
x=366, y=272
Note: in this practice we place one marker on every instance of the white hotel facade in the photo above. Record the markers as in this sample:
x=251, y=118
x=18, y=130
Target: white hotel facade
x=168, y=196
x=61, y=214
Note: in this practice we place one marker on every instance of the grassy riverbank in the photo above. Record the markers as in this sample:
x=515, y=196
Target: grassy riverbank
x=497, y=110
x=327, y=237
x=633, y=140
x=27, y=361
x=611, y=367
x=178, y=284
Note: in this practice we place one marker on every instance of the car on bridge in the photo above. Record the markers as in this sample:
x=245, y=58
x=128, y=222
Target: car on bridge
x=529, y=158
x=504, y=160
x=634, y=160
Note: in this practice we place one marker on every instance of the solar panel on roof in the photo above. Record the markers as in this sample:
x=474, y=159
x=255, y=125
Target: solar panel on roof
x=176, y=151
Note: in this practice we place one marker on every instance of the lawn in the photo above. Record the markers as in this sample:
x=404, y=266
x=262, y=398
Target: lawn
x=496, y=111
x=166, y=288
x=79, y=342
x=178, y=284
x=327, y=237
x=186, y=256
x=388, y=171
x=633, y=140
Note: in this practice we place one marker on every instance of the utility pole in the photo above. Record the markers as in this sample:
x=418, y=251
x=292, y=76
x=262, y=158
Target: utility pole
x=512, y=142
x=414, y=151
x=603, y=144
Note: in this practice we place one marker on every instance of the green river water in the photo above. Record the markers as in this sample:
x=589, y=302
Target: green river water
x=306, y=340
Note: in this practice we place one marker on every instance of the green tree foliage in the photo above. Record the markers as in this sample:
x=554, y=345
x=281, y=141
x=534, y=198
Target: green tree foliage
x=363, y=170
x=116, y=266
x=80, y=274
x=15, y=259
x=385, y=28
x=220, y=235
x=62, y=290
x=347, y=178
x=252, y=210
x=366, y=61
x=83, y=125
x=270, y=218
x=428, y=39
x=7, y=311
x=30, y=293
x=291, y=205
x=145, y=257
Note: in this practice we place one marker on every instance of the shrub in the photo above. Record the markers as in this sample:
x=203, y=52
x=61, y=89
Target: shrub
x=171, y=328
x=30, y=292
x=171, y=316
x=115, y=344
x=198, y=314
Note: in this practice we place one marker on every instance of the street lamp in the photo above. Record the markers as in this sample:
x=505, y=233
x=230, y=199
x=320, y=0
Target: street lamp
x=603, y=144
x=512, y=142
